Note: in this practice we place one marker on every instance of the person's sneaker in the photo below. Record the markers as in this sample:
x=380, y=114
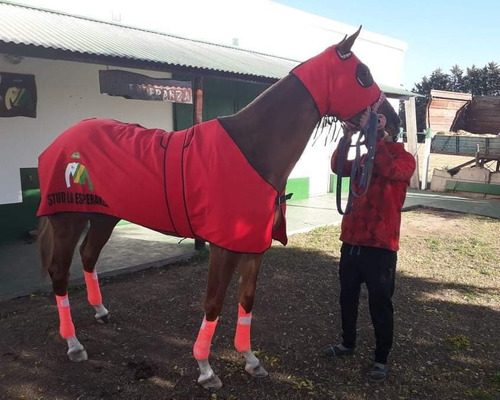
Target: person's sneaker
x=378, y=373
x=336, y=351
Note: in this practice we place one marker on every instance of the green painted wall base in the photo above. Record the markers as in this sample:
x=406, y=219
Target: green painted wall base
x=19, y=218
x=333, y=184
x=473, y=187
x=299, y=187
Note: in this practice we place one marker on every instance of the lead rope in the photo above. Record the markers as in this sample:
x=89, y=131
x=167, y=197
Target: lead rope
x=360, y=172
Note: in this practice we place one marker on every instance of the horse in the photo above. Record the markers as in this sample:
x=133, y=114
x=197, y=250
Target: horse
x=166, y=191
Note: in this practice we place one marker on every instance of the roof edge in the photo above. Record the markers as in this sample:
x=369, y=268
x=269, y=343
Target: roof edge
x=57, y=12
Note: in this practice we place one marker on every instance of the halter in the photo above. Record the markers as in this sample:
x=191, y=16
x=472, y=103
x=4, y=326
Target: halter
x=361, y=173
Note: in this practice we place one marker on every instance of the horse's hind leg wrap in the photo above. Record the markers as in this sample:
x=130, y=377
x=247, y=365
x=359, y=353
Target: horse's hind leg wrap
x=94, y=295
x=201, y=349
x=93, y=291
x=242, y=343
x=243, y=325
x=66, y=327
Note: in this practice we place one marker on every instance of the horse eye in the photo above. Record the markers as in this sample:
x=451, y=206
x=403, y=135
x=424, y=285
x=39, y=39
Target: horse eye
x=363, y=75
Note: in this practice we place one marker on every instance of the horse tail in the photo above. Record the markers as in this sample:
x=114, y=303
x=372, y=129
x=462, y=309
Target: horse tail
x=45, y=243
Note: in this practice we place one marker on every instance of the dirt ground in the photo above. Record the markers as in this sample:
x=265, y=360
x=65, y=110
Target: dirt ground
x=447, y=304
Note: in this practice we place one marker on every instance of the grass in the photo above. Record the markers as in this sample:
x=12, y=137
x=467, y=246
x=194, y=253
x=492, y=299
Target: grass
x=464, y=259
x=459, y=342
x=447, y=293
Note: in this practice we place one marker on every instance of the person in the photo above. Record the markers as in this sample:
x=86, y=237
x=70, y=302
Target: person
x=370, y=241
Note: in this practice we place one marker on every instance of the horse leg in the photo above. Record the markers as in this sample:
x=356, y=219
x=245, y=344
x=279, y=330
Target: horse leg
x=101, y=227
x=248, y=268
x=66, y=230
x=221, y=267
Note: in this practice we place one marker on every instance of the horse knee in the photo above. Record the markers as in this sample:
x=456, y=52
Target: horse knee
x=89, y=263
x=89, y=260
x=212, y=310
x=246, y=295
x=246, y=302
x=59, y=279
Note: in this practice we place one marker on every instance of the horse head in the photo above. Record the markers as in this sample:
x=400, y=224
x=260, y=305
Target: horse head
x=342, y=86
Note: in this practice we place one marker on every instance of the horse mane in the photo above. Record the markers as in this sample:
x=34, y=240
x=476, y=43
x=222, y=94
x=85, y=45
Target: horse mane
x=328, y=122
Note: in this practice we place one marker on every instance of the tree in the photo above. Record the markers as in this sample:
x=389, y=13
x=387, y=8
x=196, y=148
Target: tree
x=492, y=77
x=477, y=81
x=457, y=79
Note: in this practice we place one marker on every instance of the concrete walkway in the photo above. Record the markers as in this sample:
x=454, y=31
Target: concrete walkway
x=485, y=207
x=132, y=247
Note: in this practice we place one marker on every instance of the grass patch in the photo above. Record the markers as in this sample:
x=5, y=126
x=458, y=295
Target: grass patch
x=459, y=342
x=434, y=243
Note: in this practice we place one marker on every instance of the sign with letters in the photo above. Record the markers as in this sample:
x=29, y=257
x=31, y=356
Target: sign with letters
x=136, y=86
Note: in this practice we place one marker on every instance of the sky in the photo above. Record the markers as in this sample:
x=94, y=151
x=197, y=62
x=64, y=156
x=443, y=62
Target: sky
x=439, y=33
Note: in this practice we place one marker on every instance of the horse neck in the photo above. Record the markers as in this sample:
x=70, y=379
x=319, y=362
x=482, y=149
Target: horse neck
x=273, y=130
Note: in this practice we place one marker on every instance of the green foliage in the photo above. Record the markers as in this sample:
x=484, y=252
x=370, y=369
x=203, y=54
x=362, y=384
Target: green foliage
x=477, y=81
x=459, y=342
x=305, y=384
x=433, y=243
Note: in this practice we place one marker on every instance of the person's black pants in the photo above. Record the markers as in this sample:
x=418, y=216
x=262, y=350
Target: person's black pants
x=377, y=268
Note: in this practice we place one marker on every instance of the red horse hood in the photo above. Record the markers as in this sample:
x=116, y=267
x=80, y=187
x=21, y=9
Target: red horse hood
x=333, y=83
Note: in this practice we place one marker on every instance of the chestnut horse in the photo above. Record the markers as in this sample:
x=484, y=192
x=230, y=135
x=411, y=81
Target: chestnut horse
x=270, y=134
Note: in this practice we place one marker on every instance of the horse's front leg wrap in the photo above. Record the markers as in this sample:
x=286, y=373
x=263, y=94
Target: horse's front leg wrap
x=201, y=349
x=243, y=325
x=66, y=327
x=93, y=291
x=76, y=352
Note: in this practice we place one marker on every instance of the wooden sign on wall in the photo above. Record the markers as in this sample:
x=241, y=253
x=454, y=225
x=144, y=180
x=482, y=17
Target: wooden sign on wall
x=136, y=86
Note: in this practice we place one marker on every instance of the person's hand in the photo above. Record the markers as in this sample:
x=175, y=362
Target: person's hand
x=363, y=121
x=387, y=137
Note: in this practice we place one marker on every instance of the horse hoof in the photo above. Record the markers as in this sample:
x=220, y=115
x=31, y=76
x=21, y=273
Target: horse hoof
x=257, y=372
x=78, y=356
x=102, y=320
x=211, y=383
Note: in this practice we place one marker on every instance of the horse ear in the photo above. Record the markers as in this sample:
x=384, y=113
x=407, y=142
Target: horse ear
x=344, y=47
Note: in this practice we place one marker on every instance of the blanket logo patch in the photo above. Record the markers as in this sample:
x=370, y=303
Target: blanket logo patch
x=77, y=173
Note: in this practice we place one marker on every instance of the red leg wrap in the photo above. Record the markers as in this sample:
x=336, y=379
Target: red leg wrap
x=66, y=327
x=242, y=336
x=201, y=349
x=93, y=291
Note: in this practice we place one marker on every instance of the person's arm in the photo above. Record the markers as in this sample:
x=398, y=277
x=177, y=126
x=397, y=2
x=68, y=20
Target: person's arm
x=396, y=169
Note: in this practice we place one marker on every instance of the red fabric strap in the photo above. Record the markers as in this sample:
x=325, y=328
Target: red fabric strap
x=174, y=184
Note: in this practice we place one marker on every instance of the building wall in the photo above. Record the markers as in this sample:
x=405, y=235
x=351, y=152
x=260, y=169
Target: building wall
x=67, y=93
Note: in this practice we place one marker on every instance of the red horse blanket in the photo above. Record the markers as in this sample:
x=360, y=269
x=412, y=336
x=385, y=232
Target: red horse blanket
x=193, y=183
